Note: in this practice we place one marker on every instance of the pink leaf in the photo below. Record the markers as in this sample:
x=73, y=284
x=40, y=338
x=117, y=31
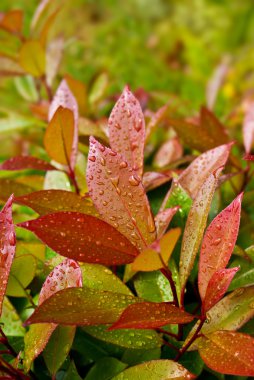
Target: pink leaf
x=162, y=220
x=119, y=196
x=83, y=238
x=65, y=98
x=218, y=243
x=151, y=180
x=7, y=246
x=196, y=173
x=217, y=287
x=170, y=151
x=248, y=128
x=150, y=315
x=26, y=162
x=127, y=130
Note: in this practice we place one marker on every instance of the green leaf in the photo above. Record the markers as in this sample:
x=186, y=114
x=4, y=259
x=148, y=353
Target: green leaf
x=12, y=324
x=16, y=123
x=57, y=180
x=153, y=286
x=245, y=275
x=133, y=357
x=128, y=338
x=72, y=373
x=155, y=370
x=32, y=58
x=22, y=273
x=105, y=368
x=58, y=347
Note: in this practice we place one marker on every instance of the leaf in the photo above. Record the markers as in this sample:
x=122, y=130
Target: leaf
x=118, y=195
x=15, y=122
x=12, y=324
x=26, y=87
x=198, y=171
x=195, y=226
x=153, y=286
x=105, y=368
x=215, y=128
x=65, y=275
x=72, y=373
x=127, y=130
x=245, y=275
x=248, y=128
x=135, y=339
x=58, y=139
x=218, y=243
x=56, y=180
x=65, y=99
x=8, y=187
x=155, y=370
x=217, y=287
x=150, y=259
x=228, y=352
x=54, y=54
x=82, y=306
x=12, y=21
x=21, y=274
x=7, y=246
x=149, y=315
x=58, y=347
x=82, y=238
x=162, y=220
x=26, y=162
x=32, y=58
x=168, y=152
x=50, y=201
x=98, y=89
x=152, y=180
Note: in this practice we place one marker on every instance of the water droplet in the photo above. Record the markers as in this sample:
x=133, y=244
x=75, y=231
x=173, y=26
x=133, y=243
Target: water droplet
x=123, y=165
x=92, y=158
x=134, y=180
x=117, y=125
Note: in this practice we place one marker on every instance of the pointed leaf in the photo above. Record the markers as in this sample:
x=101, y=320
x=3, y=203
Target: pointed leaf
x=248, y=128
x=32, y=58
x=58, y=139
x=217, y=287
x=218, y=243
x=64, y=98
x=228, y=352
x=215, y=128
x=127, y=130
x=119, y=196
x=50, y=201
x=162, y=220
x=155, y=370
x=7, y=246
x=26, y=162
x=195, y=226
x=152, y=180
x=82, y=306
x=168, y=242
x=82, y=237
x=149, y=315
x=12, y=324
x=197, y=172
x=153, y=286
x=170, y=151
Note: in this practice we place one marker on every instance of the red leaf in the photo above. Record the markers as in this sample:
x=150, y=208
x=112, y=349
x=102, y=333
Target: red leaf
x=65, y=98
x=170, y=151
x=217, y=287
x=8, y=187
x=127, y=130
x=198, y=171
x=151, y=180
x=50, y=201
x=26, y=162
x=7, y=246
x=82, y=238
x=248, y=128
x=150, y=315
x=228, y=352
x=162, y=220
x=119, y=196
x=218, y=243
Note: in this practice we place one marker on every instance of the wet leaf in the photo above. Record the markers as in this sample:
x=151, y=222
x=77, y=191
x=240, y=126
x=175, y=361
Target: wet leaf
x=119, y=196
x=105, y=368
x=12, y=324
x=8, y=187
x=50, y=201
x=64, y=98
x=32, y=58
x=153, y=286
x=58, y=139
x=12, y=21
x=170, y=151
x=82, y=237
x=26, y=162
x=162, y=220
x=215, y=128
x=7, y=246
x=222, y=351
x=155, y=370
x=248, y=128
x=127, y=130
x=218, y=243
x=149, y=315
x=56, y=180
x=152, y=180
x=195, y=226
x=217, y=287
x=204, y=165
x=82, y=306
x=245, y=275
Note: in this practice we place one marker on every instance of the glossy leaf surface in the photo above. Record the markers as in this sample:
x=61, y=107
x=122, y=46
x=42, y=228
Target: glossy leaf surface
x=50, y=201
x=170, y=151
x=7, y=246
x=12, y=324
x=82, y=237
x=26, y=162
x=148, y=315
x=222, y=351
x=127, y=130
x=8, y=187
x=119, y=196
x=218, y=243
x=162, y=220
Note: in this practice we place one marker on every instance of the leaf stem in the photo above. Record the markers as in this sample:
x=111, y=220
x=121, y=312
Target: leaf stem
x=72, y=177
x=167, y=333
x=167, y=273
